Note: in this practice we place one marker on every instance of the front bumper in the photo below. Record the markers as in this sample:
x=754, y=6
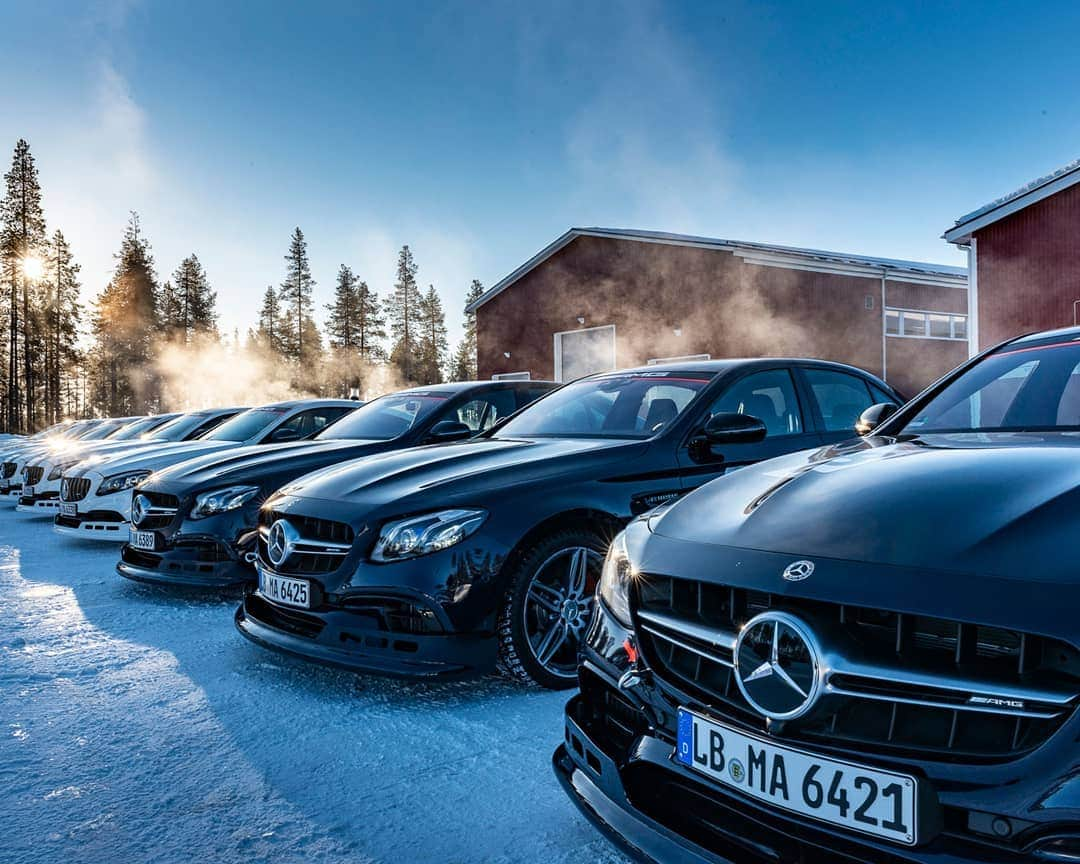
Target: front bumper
x=101, y=526
x=355, y=641
x=195, y=562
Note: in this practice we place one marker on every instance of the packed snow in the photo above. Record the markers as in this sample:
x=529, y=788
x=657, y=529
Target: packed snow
x=138, y=726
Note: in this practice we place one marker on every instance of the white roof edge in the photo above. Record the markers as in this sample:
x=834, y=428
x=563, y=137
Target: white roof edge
x=947, y=274
x=1028, y=194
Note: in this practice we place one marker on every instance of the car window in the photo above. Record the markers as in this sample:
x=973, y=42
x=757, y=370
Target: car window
x=311, y=421
x=1015, y=389
x=208, y=424
x=626, y=405
x=769, y=396
x=841, y=397
x=386, y=417
x=483, y=412
x=247, y=424
x=881, y=396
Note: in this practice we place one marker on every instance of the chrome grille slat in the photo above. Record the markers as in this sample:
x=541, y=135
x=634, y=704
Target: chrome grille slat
x=901, y=680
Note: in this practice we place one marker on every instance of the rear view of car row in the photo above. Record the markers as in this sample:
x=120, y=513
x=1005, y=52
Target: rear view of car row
x=840, y=650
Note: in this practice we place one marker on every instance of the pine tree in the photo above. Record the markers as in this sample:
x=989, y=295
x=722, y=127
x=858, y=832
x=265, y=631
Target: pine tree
x=371, y=324
x=268, y=334
x=64, y=313
x=431, y=353
x=343, y=323
x=402, y=310
x=194, y=305
x=22, y=235
x=124, y=325
x=463, y=367
x=295, y=297
x=170, y=312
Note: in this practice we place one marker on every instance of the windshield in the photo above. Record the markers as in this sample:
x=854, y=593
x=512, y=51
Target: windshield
x=103, y=430
x=139, y=427
x=1018, y=389
x=246, y=425
x=385, y=418
x=635, y=405
x=178, y=428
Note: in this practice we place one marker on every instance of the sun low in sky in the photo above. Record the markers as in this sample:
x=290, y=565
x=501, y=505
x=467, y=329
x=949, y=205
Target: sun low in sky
x=478, y=132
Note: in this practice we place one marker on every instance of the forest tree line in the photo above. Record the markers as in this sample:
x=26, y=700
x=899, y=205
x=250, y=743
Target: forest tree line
x=59, y=359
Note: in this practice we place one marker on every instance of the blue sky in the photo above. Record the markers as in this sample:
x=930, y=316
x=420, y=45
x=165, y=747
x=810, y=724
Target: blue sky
x=479, y=132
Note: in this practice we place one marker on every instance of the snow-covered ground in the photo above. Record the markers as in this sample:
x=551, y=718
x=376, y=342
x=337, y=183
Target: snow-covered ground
x=137, y=726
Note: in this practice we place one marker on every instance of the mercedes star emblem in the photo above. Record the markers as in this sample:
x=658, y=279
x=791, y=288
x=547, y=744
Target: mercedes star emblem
x=778, y=665
x=798, y=570
x=280, y=542
x=140, y=505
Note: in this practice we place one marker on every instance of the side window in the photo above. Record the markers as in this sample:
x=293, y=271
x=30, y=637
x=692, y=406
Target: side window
x=880, y=395
x=485, y=411
x=207, y=425
x=1068, y=413
x=841, y=398
x=526, y=395
x=660, y=405
x=769, y=396
x=308, y=422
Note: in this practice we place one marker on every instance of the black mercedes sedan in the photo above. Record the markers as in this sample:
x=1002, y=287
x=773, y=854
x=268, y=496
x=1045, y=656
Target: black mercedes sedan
x=486, y=554
x=869, y=652
x=194, y=523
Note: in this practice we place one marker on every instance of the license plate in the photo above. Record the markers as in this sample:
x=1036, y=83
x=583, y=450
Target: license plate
x=28, y=492
x=282, y=589
x=864, y=799
x=146, y=540
x=69, y=508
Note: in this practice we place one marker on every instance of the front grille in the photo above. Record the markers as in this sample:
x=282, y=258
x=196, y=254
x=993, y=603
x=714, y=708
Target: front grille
x=160, y=499
x=311, y=556
x=74, y=488
x=7, y=470
x=310, y=528
x=688, y=629
x=34, y=473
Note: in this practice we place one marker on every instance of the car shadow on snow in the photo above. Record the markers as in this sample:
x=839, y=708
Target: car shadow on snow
x=397, y=770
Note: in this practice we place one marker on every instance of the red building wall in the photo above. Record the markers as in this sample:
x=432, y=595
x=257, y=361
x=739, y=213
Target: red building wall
x=1029, y=268
x=720, y=304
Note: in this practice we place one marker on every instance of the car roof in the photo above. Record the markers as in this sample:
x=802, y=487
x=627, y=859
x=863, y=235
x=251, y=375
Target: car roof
x=451, y=388
x=310, y=403
x=717, y=367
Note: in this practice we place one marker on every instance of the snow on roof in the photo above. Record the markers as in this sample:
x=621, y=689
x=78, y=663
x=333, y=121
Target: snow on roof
x=778, y=254
x=1028, y=194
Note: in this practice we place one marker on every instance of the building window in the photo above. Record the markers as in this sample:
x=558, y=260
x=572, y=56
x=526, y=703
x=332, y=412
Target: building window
x=683, y=358
x=582, y=352
x=918, y=324
x=512, y=376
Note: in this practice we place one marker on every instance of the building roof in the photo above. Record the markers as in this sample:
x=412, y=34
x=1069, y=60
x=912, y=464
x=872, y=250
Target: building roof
x=757, y=253
x=1025, y=196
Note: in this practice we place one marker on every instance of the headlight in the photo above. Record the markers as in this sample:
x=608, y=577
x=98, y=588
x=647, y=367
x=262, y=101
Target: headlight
x=222, y=500
x=60, y=467
x=421, y=535
x=615, y=579
x=120, y=482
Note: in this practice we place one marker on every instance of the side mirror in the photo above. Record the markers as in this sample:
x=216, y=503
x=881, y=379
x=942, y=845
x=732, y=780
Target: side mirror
x=728, y=428
x=280, y=436
x=448, y=430
x=874, y=416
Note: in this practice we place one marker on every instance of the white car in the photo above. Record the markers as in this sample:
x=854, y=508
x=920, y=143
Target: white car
x=15, y=459
x=95, y=498
x=41, y=478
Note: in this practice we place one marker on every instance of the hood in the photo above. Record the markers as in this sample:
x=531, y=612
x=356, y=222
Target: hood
x=152, y=457
x=441, y=473
x=978, y=504
x=261, y=465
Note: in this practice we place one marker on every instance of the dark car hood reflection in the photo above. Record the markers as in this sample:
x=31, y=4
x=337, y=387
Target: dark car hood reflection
x=981, y=504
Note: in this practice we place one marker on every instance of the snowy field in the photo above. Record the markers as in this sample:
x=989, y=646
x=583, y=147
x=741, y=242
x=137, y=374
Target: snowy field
x=137, y=726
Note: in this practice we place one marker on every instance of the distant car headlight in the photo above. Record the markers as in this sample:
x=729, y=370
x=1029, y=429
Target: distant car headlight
x=615, y=578
x=120, y=482
x=60, y=467
x=222, y=500
x=422, y=535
